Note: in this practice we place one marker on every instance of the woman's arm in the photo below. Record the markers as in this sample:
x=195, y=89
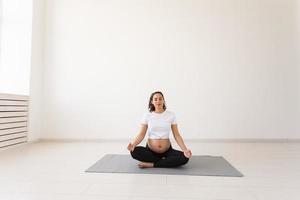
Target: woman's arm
x=179, y=141
x=139, y=138
x=178, y=137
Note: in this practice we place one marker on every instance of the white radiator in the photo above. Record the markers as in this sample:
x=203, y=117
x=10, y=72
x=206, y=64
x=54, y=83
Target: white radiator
x=13, y=119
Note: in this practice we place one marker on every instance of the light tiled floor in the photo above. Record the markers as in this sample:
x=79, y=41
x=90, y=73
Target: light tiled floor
x=55, y=171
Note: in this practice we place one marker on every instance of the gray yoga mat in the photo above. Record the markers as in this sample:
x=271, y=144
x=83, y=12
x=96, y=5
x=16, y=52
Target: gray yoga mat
x=197, y=166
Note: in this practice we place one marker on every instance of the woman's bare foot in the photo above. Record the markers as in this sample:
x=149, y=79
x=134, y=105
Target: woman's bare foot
x=145, y=165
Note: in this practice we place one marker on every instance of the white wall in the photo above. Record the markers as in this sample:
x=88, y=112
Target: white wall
x=298, y=62
x=15, y=46
x=228, y=69
x=37, y=65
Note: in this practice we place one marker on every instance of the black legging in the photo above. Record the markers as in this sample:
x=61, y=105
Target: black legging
x=170, y=158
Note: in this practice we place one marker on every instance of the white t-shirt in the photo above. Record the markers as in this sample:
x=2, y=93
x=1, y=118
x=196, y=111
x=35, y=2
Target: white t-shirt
x=159, y=124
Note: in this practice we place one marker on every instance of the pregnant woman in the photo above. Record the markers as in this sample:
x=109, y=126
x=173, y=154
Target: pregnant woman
x=158, y=152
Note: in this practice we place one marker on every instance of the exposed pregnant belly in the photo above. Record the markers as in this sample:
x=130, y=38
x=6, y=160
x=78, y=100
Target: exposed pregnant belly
x=159, y=145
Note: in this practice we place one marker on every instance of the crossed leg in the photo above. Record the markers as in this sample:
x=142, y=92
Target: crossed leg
x=171, y=158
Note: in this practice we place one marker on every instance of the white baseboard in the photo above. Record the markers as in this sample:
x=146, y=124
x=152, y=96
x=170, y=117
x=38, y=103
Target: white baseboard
x=68, y=140
x=206, y=140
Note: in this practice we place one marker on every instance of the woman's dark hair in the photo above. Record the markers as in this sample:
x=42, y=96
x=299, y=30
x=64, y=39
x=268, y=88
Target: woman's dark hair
x=151, y=106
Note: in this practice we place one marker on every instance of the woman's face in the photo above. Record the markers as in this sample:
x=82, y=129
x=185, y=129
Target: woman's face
x=158, y=101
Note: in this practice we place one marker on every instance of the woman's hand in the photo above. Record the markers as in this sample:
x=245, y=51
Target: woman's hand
x=187, y=153
x=130, y=147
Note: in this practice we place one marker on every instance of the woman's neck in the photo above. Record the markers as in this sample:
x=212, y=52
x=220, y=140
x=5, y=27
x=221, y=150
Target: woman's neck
x=159, y=110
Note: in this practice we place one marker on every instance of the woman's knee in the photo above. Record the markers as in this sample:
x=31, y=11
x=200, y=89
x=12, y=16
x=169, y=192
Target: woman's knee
x=183, y=159
x=136, y=152
x=186, y=160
